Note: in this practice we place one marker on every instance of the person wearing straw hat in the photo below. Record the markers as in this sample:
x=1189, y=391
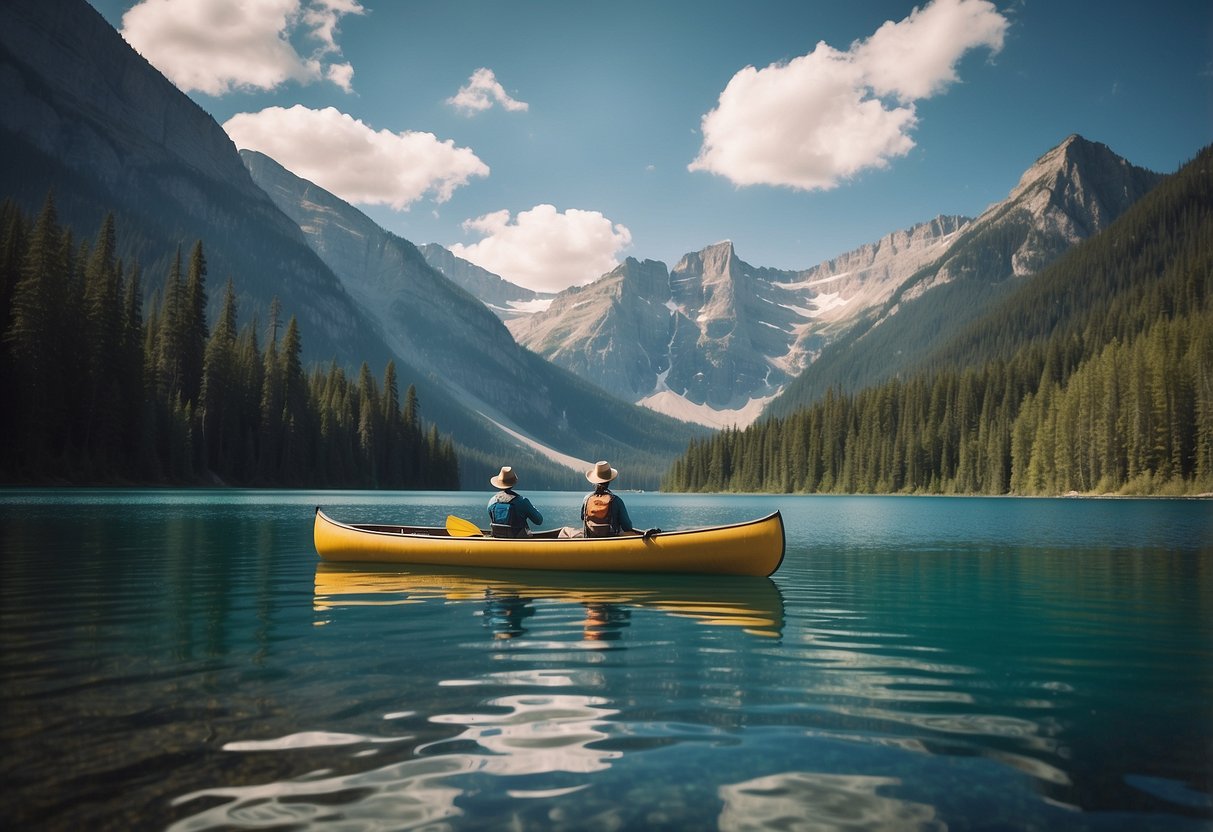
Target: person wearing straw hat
x=509, y=511
x=603, y=513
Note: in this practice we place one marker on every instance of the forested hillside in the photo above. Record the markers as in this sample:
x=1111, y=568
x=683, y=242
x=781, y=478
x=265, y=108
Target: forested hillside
x=96, y=392
x=1095, y=376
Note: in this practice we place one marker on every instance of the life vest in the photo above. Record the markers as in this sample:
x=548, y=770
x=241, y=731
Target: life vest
x=504, y=520
x=598, y=515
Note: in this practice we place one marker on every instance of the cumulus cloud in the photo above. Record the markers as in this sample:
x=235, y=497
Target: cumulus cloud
x=482, y=91
x=342, y=75
x=353, y=160
x=544, y=249
x=826, y=116
x=215, y=46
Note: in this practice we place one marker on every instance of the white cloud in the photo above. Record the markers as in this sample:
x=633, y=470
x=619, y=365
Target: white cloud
x=916, y=57
x=342, y=75
x=828, y=115
x=215, y=46
x=543, y=249
x=322, y=16
x=480, y=93
x=353, y=160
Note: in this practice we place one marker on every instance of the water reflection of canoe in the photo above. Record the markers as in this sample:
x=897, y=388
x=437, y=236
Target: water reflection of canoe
x=751, y=603
x=754, y=548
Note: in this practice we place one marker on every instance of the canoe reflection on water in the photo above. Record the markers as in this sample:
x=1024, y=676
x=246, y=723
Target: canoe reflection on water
x=754, y=605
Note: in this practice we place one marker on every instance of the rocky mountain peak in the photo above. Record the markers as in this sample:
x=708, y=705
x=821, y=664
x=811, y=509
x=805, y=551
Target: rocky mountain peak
x=1070, y=193
x=1082, y=177
x=648, y=279
x=713, y=262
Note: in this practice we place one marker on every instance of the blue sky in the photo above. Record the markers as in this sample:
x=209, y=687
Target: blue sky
x=799, y=130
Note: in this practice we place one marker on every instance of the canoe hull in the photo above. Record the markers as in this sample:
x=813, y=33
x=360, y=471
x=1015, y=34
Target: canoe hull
x=755, y=548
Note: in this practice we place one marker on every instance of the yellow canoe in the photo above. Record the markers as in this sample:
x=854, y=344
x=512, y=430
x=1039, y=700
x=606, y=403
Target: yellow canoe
x=753, y=548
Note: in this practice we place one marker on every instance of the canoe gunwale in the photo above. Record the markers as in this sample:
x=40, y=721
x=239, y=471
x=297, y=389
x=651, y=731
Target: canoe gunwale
x=435, y=533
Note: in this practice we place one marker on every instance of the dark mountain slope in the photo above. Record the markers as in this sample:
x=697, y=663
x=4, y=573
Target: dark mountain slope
x=88, y=117
x=1155, y=262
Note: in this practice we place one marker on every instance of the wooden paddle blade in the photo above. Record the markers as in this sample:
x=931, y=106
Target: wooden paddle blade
x=458, y=527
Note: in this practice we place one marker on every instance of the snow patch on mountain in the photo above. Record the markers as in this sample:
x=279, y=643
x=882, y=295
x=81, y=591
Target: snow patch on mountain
x=680, y=407
x=518, y=307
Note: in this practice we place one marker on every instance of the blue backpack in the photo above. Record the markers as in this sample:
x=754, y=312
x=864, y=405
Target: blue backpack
x=502, y=517
x=501, y=512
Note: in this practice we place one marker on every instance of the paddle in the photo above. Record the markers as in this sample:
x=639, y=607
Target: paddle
x=458, y=527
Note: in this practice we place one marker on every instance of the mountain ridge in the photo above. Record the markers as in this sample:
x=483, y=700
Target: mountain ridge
x=738, y=338
x=1071, y=192
x=714, y=338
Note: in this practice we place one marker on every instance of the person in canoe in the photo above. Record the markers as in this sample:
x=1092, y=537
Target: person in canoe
x=603, y=513
x=509, y=511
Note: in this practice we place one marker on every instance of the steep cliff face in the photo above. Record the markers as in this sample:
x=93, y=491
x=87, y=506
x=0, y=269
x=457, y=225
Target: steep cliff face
x=614, y=331
x=421, y=313
x=86, y=97
x=1073, y=192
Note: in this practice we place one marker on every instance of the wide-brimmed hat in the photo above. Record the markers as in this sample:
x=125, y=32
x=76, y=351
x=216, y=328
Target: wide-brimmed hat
x=601, y=472
x=506, y=478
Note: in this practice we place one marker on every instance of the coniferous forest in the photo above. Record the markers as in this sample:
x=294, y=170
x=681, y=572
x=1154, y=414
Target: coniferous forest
x=1095, y=376
x=98, y=391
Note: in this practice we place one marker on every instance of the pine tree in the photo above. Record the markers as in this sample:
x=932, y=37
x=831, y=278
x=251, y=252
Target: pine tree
x=219, y=397
x=296, y=421
x=131, y=369
x=100, y=429
x=170, y=337
x=368, y=424
x=192, y=325
x=13, y=242
x=393, y=430
x=271, y=425
x=35, y=341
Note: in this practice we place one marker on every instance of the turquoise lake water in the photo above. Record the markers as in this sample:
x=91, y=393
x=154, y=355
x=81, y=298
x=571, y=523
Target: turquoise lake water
x=177, y=659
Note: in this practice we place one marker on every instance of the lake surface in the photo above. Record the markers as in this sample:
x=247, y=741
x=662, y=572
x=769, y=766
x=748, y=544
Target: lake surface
x=180, y=660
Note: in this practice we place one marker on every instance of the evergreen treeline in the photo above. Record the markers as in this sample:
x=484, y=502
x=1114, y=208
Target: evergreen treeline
x=97, y=393
x=1095, y=377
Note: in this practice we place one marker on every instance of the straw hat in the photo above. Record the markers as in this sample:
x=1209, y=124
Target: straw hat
x=506, y=478
x=601, y=472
